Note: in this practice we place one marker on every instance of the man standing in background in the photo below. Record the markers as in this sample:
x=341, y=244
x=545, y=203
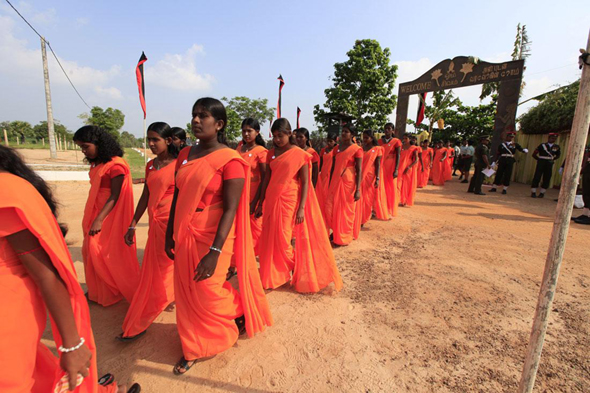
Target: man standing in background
x=466, y=158
x=481, y=162
x=545, y=154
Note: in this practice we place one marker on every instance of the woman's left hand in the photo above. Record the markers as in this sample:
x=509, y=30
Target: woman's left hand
x=357, y=195
x=300, y=216
x=406, y=170
x=376, y=183
x=206, y=267
x=95, y=228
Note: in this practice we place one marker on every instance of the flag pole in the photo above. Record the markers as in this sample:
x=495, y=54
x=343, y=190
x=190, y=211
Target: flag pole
x=144, y=142
x=563, y=214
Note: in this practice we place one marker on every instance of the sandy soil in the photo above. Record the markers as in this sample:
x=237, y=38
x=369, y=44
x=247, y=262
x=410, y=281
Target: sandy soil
x=440, y=299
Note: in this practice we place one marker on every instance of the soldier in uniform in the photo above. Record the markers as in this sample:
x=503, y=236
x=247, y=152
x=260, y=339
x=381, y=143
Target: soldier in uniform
x=584, y=218
x=481, y=163
x=545, y=154
x=506, y=160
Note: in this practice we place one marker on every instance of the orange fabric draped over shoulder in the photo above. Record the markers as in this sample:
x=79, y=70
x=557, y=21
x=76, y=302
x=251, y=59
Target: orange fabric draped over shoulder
x=206, y=310
x=312, y=261
x=409, y=180
x=156, y=284
x=423, y=176
x=254, y=158
x=324, y=179
x=374, y=198
x=390, y=184
x=448, y=168
x=438, y=174
x=26, y=365
x=341, y=208
x=110, y=266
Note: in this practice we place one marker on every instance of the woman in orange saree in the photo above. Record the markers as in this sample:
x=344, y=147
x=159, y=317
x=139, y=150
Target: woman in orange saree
x=291, y=210
x=37, y=276
x=209, y=226
x=438, y=164
x=448, y=169
x=427, y=157
x=326, y=160
x=253, y=150
x=304, y=143
x=156, y=284
x=345, y=189
x=391, y=157
x=410, y=157
x=110, y=265
x=373, y=192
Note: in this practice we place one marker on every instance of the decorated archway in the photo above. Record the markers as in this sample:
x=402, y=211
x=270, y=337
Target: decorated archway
x=468, y=71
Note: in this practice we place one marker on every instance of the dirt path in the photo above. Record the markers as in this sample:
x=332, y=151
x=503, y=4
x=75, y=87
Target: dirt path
x=440, y=299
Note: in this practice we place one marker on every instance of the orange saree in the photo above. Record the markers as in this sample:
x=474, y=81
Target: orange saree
x=323, y=184
x=374, y=198
x=390, y=184
x=409, y=180
x=254, y=158
x=438, y=174
x=110, y=266
x=423, y=176
x=26, y=365
x=341, y=207
x=312, y=261
x=448, y=169
x=206, y=310
x=156, y=284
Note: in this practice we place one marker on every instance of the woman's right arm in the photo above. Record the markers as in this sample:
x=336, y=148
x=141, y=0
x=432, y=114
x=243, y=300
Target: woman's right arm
x=56, y=298
x=169, y=246
x=139, y=210
x=264, y=184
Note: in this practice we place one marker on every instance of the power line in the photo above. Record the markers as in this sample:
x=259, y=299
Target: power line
x=52, y=51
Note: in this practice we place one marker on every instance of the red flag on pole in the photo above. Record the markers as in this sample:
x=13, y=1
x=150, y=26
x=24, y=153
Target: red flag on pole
x=421, y=107
x=140, y=82
x=298, y=113
x=281, y=84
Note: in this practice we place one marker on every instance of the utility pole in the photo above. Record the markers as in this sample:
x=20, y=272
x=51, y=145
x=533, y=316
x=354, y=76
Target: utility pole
x=50, y=129
x=563, y=214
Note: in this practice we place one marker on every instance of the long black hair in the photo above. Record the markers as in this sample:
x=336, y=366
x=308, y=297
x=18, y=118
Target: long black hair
x=164, y=130
x=106, y=146
x=217, y=110
x=350, y=127
x=283, y=125
x=11, y=162
x=179, y=133
x=254, y=124
x=305, y=133
x=371, y=135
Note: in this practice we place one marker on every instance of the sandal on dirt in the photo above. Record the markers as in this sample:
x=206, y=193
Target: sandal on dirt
x=135, y=388
x=106, y=380
x=241, y=324
x=123, y=339
x=184, y=364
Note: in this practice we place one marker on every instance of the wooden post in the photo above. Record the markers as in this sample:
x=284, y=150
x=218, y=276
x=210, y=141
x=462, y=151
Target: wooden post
x=561, y=224
x=17, y=140
x=50, y=129
x=43, y=141
x=6, y=138
x=63, y=137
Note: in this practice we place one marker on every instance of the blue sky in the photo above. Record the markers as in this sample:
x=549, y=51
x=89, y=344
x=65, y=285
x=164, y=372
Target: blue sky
x=239, y=48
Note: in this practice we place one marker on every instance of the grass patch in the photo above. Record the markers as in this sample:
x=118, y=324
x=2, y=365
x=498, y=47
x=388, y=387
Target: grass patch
x=136, y=163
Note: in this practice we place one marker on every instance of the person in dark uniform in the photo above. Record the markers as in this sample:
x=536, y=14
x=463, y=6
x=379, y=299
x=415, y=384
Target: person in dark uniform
x=545, y=154
x=481, y=162
x=506, y=160
x=584, y=218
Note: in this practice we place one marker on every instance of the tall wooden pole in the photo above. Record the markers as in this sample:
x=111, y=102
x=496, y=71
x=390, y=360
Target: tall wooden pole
x=5, y=138
x=563, y=214
x=50, y=129
x=144, y=141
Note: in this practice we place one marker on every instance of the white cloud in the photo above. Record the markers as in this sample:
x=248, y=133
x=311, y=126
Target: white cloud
x=179, y=72
x=109, y=92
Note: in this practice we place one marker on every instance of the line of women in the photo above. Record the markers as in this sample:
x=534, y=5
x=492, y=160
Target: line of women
x=267, y=217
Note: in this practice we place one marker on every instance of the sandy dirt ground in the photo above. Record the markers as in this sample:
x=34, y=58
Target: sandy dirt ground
x=440, y=299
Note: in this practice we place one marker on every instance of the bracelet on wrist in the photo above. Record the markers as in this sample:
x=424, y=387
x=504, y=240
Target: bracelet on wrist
x=215, y=249
x=131, y=228
x=72, y=349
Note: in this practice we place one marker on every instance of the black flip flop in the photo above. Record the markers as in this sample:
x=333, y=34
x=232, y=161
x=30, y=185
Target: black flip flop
x=183, y=363
x=123, y=339
x=135, y=388
x=106, y=380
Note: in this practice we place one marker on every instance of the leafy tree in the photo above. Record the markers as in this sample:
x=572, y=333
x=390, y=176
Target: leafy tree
x=441, y=102
x=521, y=50
x=111, y=120
x=554, y=113
x=129, y=140
x=363, y=86
x=40, y=131
x=239, y=108
x=22, y=129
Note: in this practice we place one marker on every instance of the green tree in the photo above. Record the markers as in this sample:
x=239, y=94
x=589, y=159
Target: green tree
x=40, y=131
x=22, y=129
x=110, y=120
x=129, y=140
x=362, y=86
x=239, y=108
x=521, y=50
x=441, y=104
